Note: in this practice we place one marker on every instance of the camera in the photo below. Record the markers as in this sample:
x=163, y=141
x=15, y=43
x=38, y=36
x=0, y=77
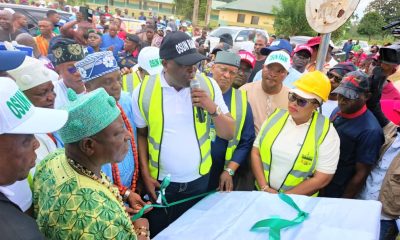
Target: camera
x=390, y=54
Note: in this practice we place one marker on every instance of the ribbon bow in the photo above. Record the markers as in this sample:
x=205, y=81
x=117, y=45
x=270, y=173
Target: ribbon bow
x=275, y=224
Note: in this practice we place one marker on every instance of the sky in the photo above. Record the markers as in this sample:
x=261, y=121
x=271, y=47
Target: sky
x=361, y=7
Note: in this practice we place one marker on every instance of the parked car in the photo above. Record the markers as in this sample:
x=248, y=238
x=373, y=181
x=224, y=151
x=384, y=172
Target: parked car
x=299, y=40
x=239, y=35
x=34, y=14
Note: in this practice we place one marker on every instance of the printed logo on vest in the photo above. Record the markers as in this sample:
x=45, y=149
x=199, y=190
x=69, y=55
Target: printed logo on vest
x=306, y=159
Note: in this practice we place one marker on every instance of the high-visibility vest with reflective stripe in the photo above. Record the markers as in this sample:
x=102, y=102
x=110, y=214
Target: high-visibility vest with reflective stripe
x=130, y=82
x=151, y=106
x=306, y=161
x=238, y=112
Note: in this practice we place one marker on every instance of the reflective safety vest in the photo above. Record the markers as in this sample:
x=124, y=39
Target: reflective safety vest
x=130, y=82
x=150, y=103
x=238, y=112
x=306, y=161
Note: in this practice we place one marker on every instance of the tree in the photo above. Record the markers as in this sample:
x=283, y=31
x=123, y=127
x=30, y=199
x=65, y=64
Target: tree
x=290, y=18
x=371, y=24
x=185, y=8
x=388, y=9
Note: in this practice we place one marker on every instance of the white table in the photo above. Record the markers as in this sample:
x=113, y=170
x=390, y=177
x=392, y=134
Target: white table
x=231, y=215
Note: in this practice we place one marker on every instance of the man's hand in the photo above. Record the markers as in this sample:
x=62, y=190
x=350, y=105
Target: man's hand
x=136, y=203
x=151, y=185
x=110, y=48
x=125, y=71
x=269, y=189
x=225, y=182
x=201, y=99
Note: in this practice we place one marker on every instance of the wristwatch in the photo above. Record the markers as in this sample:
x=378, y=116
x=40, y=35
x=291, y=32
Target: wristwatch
x=216, y=113
x=230, y=171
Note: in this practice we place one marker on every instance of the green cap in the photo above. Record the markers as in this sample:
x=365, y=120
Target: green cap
x=228, y=58
x=88, y=114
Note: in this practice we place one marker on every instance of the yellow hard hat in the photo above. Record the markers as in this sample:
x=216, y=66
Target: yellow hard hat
x=314, y=82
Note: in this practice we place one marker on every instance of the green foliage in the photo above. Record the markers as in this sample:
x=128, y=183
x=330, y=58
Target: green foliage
x=371, y=24
x=290, y=19
x=185, y=8
x=388, y=9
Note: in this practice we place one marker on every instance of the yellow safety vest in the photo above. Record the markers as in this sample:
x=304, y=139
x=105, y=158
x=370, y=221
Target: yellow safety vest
x=151, y=106
x=130, y=82
x=238, y=112
x=305, y=164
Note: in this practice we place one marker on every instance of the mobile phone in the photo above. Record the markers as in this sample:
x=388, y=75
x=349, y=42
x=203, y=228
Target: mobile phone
x=87, y=13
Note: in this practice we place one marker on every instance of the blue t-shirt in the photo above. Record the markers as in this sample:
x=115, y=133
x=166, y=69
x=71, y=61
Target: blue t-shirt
x=219, y=145
x=127, y=166
x=360, y=141
x=108, y=41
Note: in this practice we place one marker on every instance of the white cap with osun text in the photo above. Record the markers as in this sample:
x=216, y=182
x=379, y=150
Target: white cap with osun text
x=149, y=60
x=19, y=116
x=280, y=57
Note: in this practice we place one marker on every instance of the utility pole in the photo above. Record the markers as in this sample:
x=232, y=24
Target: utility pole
x=208, y=12
x=195, y=12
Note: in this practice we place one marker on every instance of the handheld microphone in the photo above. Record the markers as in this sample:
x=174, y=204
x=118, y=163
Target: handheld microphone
x=195, y=84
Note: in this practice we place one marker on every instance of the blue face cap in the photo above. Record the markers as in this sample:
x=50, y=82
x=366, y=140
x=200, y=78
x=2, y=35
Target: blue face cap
x=11, y=59
x=279, y=44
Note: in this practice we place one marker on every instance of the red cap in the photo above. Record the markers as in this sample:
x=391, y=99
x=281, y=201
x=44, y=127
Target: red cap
x=314, y=41
x=303, y=48
x=247, y=57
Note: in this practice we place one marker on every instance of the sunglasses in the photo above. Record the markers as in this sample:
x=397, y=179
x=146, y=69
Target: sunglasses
x=72, y=70
x=301, y=102
x=335, y=78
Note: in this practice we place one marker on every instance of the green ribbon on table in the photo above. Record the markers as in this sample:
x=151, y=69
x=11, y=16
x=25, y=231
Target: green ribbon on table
x=275, y=224
x=164, y=203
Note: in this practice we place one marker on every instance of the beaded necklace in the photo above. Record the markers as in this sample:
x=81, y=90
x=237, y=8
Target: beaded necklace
x=104, y=180
x=115, y=170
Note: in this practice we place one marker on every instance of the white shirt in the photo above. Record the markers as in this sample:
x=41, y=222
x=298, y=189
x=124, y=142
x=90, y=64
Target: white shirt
x=61, y=94
x=328, y=107
x=288, y=144
x=180, y=154
x=375, y=179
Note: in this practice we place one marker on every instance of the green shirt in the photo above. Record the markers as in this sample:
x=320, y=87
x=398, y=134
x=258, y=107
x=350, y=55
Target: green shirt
x=68, y=205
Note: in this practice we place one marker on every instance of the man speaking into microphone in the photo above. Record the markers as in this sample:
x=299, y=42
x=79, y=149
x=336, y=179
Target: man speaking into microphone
x=172, y=137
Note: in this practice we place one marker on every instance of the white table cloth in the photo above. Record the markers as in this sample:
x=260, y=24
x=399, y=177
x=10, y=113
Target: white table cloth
x=229, y=216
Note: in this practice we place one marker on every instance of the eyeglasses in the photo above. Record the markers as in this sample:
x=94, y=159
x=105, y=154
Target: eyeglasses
x=301, y=102
x=335, y=78
x=72, y=70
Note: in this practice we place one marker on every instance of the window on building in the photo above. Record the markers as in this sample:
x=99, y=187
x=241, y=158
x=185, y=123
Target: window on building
x=240, y=18
x=254, y=20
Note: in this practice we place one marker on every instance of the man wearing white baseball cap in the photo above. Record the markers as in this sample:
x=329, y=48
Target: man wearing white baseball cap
x=35, y=81
x=268, y=94
x=19, y=120
x=149, y=63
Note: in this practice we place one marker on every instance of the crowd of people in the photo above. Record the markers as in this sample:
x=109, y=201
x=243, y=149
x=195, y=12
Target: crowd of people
x=93, y=119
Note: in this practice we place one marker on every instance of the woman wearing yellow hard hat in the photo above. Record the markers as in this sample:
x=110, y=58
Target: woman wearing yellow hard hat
x=297, y=150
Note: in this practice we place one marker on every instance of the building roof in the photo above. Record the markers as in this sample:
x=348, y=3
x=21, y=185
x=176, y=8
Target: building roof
x=216, y=4
x=257, y=6
x=164, y=1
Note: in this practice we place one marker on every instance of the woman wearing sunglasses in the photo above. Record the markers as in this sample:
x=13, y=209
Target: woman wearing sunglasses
x=297, y=151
